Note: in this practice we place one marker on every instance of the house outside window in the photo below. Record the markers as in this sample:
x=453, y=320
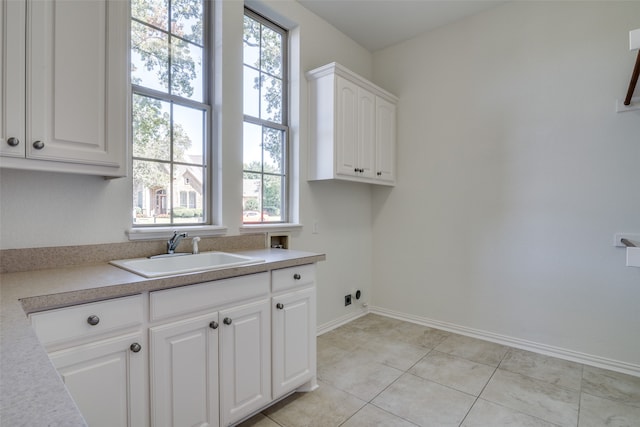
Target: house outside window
x=266, y=132
x=170, y=112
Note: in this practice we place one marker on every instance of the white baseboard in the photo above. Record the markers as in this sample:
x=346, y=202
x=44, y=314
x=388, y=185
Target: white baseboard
x=561, y=353
x=343, y=320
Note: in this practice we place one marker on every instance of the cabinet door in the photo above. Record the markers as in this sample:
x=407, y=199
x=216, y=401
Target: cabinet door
x=184, y=373
x=12, y=78
x=245, y=360
x=385, y=141
x=346, y=128
x=107, y=380
x=294, y=340
x=366, y=133
x=77, y=82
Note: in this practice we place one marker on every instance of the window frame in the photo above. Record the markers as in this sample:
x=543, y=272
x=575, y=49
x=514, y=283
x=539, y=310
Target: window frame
x=285, y=208
x=138, y=230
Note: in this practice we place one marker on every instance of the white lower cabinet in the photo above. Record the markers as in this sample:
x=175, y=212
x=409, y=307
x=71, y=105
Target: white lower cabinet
x=184, y=372
x=245, y=360
x=99, y=349
x=294, y=343
x=107, y=380
x=217, y=351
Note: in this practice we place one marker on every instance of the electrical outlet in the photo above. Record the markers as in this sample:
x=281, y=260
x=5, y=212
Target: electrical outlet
x=347, y=300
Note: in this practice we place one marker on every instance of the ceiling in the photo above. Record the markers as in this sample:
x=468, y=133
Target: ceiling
x=376, y=24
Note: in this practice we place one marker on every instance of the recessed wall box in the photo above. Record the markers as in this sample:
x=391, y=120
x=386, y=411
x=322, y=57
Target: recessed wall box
x=278, y=241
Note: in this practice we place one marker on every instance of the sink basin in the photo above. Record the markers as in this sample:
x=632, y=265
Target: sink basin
x=170, y=265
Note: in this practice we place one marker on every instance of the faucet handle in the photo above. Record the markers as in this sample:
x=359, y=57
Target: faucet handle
x=194, y=245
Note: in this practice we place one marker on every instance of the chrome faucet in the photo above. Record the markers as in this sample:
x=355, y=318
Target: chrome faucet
x=174, y=241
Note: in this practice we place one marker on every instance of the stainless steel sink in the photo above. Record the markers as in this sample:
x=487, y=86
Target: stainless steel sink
x=170, y=265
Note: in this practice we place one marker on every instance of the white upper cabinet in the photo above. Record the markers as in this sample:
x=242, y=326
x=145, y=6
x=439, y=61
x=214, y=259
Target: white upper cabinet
x=12, y=78
x=352, y=126
x=385, y=141
x=72, y=91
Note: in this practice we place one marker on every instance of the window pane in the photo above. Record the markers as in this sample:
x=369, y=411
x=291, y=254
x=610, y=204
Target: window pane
x=271, y=99
x=186, y=19
x=151, y=185
x=251, y=92
x=186, y=70
x=188, y=134
x=149, y=57
x=271, y=52
x=154, y=12
x=188, y=179
x=170, y=170
x=252, y=147
x=151, y=128
x=265, y=130
x=273, y=156
x=272, y=198
x=251, y=42
x=251, y=197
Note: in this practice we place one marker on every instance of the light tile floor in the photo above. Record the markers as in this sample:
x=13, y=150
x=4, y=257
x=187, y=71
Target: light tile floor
x=378, y=371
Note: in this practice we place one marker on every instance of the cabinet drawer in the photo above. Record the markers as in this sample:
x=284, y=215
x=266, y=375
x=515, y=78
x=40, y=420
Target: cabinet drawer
x=193, y=298
x=293, y=277
x=87, y=320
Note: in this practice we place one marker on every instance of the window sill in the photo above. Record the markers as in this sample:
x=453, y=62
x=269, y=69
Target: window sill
x=154, y=233
x=269, y=228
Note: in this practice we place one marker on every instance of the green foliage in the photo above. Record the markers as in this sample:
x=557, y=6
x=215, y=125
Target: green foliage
x=186, y=212
x=252, y=205
x=153, y=135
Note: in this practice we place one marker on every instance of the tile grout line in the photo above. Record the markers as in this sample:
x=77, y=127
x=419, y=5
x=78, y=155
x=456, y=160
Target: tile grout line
x=370, y=402
x=485, y=386
x=580, y=394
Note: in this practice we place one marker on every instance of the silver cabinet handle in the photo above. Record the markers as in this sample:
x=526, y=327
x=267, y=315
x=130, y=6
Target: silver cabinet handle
x=38, y=145
x=279, y=306
x=297, y=276
x=93, y=320
x=227, y=321
x=14, y=142
x=213, y=325
x=135, y=347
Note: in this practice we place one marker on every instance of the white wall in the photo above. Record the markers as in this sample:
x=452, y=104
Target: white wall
x=46, y=209
x=514, y=174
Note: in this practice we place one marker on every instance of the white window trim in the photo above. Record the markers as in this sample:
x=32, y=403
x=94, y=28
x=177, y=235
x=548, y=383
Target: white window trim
x=269, y=228
x=155, y=233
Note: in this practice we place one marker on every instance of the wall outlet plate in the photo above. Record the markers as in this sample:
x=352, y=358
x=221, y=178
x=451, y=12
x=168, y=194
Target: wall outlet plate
x=635, y=238
x=621, y=108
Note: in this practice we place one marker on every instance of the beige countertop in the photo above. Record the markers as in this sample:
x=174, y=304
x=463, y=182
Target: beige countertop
x=31, y=392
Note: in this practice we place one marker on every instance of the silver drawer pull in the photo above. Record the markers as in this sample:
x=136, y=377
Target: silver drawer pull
x=135, y=347
x=297, y=276
x=93, y=320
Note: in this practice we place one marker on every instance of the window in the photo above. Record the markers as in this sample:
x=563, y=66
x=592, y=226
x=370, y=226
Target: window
x=265, y=141
x=170, y=111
